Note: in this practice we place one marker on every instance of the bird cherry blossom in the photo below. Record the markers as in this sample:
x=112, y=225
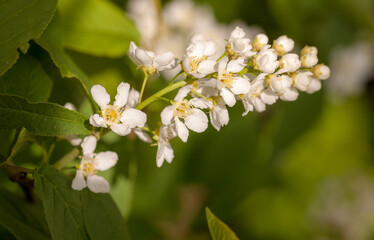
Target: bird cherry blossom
x=238, y=45
x=118, y=117
x=89, y=166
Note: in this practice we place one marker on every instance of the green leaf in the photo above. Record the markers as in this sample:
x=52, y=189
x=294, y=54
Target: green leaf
x=46, y=119
x=218, y=229
x=20, y=21
x=75, y=214
x=102, y=218
x=51, y=41
x=62, y=205
x=96, y=27
x=28, y=79
x=18, y=217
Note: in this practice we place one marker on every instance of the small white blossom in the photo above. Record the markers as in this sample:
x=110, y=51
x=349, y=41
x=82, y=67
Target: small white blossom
x=120, y=118
x=321, y=71
x=266, y=60
x=193, y=118
x=150, y=62
x=314, y=86
x=258, y=96
x=289, y=94
x=290, y=62
x=305, y=81
x=90, y=164
x=195, y=61
x=219, y=115
x=228, y=82
x=309, y=50
x=283, y=45
x=309, y=56
x=238, y=45
x=164, y=150
x=260, y=41
x=280, y=83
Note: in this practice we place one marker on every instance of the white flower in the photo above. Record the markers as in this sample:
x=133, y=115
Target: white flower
x=280, y=83
x=283, y=45
x=219, y=116
x=238, y=45
x=302, y=80
x=150, y=62
x=73, y=139
x=194, y=118
x=164, y=150
x=290, y=62
x=309, y=56
x=120, y=118
x=289, y=94
x=195, y=61
x=266, y=60
x=258, y=96
x=260, y=41
x=307, y=82
x=90, y=164
x=321, y=71
x=228, y=82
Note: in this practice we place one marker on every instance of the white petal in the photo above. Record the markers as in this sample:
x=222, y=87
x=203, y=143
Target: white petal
x=269, y=97
x=74, y=140
x=182, y=93
x=167, y=115
x=228, y=97
x=259, y=104
x=235, y=66
x=197, y=121
x=98, y=184
x=79, y=182
x=210, y=48
x=133, y=98
x=164, y=61
x=200, y=103
x=122, y=94
x=70, y=106
x=120, y=129
x=168, y=153
x=97, y=121
x=105, y=160
x=143, y=57
x=133, y=117
x=240, y=86
x=100, y=96
x=142, y=135
x=222, y=64
x=160, y=155
x=182, y=130
x=247, y=106
x=207, y=66
x=88, y=145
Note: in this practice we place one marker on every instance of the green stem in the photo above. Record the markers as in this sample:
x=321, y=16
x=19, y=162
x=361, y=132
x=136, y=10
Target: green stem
x=17, y=144
x=224, y=54
x=70, y=156
x=146, y=76
x=199, y=94
x=161, y=93
x=48, y=154
x=175, y=77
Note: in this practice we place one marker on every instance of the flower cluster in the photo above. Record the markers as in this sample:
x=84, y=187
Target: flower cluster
x=253, y=72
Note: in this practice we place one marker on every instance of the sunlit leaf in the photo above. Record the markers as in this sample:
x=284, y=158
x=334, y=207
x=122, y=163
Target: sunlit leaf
x=96, y=27
x=51, y=40
x=28, y=79
x=20, y=21
x=218, y=229
x=46, y=119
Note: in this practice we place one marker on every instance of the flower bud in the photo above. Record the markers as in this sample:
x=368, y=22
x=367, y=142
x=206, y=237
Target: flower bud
x=321, y=71
x=266, y=60
x=290, y=62
x=289, y=94
x=309, y=50
x=280, y=83
x=309, y=60
x=302, y=80
x=283, y=44
x=314, y=86
x=260, y=41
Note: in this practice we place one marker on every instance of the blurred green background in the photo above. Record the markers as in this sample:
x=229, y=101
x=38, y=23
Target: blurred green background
x=300, y=170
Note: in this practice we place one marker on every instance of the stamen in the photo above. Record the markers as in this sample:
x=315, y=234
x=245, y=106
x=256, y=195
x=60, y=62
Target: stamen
x=182, y=109
x=112, y=114
x=227, y=79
